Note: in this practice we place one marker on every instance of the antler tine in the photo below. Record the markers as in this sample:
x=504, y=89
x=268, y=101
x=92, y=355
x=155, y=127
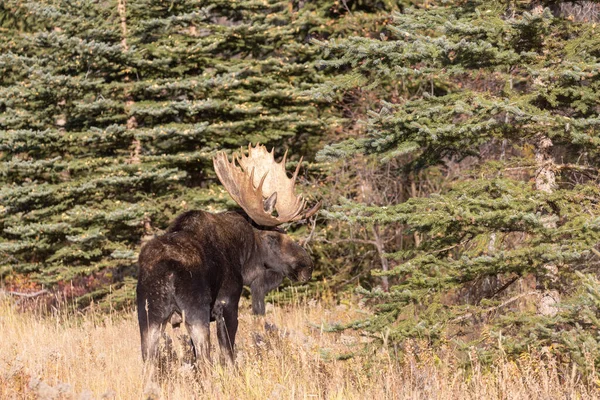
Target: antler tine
x=261, y=183
x=257, y=178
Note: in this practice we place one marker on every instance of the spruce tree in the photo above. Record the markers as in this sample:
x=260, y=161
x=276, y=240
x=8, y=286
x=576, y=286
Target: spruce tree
x=508, y=93
x=110, y=112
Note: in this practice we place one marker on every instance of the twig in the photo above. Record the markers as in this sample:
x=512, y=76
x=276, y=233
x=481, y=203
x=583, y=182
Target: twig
x=346, y=6
x=505, y=286
x=313, y=224
x=449, y=247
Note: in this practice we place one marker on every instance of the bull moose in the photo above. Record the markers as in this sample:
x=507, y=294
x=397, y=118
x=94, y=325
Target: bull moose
x=197, y=269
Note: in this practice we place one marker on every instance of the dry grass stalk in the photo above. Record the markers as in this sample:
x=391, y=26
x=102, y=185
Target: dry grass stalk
x=98, y=356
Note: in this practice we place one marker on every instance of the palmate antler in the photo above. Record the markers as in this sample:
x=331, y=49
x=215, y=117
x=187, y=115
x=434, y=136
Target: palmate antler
x=260, y=185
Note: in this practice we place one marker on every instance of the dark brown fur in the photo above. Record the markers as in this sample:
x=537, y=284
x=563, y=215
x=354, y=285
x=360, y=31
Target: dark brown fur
x=197, y=269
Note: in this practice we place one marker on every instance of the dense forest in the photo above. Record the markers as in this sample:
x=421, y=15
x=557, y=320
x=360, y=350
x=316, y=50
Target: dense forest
x=455, y=146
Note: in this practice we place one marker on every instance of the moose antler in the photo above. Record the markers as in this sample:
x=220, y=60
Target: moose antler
x=260, y=184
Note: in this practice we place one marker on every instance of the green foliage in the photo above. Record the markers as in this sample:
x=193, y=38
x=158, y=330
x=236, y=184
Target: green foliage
x=496, y=77
x=471, y=88
x=105, y=137
x=110, y=113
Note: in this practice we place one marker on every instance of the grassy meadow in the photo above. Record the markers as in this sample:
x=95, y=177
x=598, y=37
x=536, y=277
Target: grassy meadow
x=285, y=355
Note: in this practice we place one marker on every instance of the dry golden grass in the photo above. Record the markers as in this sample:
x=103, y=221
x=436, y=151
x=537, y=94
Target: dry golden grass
x=97, y=356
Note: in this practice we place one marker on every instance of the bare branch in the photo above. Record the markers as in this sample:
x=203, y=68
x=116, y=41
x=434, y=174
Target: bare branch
x=27, y=295
x=313, y=225
x=489, y=310
x=361, y=241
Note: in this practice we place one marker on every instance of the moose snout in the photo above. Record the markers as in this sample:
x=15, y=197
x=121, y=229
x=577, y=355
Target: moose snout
x=305, y=275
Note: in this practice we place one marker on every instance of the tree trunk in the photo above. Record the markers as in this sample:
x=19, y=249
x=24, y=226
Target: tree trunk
x=136, y=145
x=122, y=8
x=379, y=244
x=545, y=181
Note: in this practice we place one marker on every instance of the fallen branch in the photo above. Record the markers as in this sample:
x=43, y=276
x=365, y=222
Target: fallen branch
x=28, y=295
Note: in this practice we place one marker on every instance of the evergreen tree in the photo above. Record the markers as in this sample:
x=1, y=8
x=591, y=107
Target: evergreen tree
x=110, y=112
x=509, y=96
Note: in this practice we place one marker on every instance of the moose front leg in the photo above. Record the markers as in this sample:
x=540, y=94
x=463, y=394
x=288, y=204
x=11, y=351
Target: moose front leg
x=263, y=284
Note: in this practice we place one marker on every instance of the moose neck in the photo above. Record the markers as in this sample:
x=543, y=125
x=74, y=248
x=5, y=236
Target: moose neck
x=255, y=258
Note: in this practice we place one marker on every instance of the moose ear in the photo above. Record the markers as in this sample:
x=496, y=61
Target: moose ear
x=269, y=203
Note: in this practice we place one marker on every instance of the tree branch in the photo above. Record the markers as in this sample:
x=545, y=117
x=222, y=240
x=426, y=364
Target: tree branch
x=27, y=295
x=489, y=310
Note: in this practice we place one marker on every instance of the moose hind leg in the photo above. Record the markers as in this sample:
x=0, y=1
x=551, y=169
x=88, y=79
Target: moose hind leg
x=151, y=319
x=150, y=337
x=198, y=326
x=225, y=313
